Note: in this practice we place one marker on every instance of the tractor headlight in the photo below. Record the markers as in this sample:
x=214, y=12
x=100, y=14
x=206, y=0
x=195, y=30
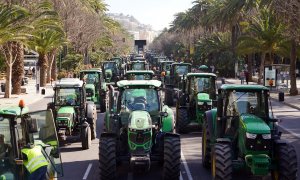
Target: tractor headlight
x=266, y=136
x=250, y=135
x=200, y=103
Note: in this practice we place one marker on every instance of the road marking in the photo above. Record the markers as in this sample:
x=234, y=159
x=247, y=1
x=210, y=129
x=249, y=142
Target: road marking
x=186, y=167
x=289, y=131
x=180, y=177
x=87, y=171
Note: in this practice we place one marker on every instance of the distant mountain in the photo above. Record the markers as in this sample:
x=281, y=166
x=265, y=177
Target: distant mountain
x=132, y=25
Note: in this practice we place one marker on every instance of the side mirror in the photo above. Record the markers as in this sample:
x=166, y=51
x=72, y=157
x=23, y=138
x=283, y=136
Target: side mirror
x=163, y=114
x=220, y=107
x=32, y=125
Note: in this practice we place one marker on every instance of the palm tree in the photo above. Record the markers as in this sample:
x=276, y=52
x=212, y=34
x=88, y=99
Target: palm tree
x=12, y=30
x=264, y=35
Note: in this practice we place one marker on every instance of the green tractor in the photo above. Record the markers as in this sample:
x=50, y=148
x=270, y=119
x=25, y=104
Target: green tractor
x=139, y=129
x=139, y=75
x=174, y=81
x=242, y=134
x=20, y=128
x=73, y=114
x=197, y=96
x=111, y=71
x=95, y=87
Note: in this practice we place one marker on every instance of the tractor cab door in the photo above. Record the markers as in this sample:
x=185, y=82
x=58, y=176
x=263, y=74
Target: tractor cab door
x=41, y=131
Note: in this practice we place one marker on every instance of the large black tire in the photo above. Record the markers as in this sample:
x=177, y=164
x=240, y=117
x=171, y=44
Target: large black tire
x=86, y=140
x=206, y=149
x=182, y=120
x=103, y=103
x=172, y=156
x=221, y=163
x=169, y=100
x=91, y=118
x=287, y=163
x=107, y=158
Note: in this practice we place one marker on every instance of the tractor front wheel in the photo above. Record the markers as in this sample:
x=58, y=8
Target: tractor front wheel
x=172, y=156
x=107, y=158
x=206, y=149
x=86, y=137
x=221, y=163
x=182, y=120
x=287, y=163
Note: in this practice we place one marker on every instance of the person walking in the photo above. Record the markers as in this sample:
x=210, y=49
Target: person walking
x=35, y=162
x=33, y=73
x=247, y=77
x=242, y=76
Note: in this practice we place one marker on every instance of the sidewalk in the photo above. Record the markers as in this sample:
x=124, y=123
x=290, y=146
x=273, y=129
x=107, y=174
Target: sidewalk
x=292, y=101
x=31, y=96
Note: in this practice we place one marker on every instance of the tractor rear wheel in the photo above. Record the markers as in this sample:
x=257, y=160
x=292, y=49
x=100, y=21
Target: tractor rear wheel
x=103, y=103
x=221, y=163
x=206, y=149
x=172, y=156
x=287, y=163
x=182, y=120
x=107, y=158
x=86, y=137
x=169, y=97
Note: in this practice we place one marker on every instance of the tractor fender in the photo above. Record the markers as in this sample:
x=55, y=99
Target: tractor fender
x=106, y=134
x=85, y=124
x=168, y=122
x=90, y=110
x=211, y=117
x=223, y=140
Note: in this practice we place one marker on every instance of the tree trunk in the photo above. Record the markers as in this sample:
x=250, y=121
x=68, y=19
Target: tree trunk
x=250, y=66
x=43, y=64
x=53, y=69
x=261, y=68
x=7, y=51
x=293, y=90
x=17, y=68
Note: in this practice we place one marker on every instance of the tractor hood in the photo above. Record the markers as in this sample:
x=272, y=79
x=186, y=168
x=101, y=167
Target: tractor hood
x=203, y=97
x=254, y=124
x=139, y=120
x=66, y=110
x=90, y=86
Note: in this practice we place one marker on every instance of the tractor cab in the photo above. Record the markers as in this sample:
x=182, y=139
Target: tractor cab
x=20, y=128
x=165, y=68
x=139, y=75
x=73, y=113
x=110, y=70
x=243, y=128
x=95, y=87
x=138, y=65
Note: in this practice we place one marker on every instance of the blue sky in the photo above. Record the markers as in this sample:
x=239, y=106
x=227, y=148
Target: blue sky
x=157, y=13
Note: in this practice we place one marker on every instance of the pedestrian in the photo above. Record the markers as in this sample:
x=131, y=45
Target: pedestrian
x=247, y=77
x=33, y=72
x=35, y=162
x=242, y=77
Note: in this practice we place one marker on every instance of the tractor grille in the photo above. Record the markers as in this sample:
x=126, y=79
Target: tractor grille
x=258, y=144
x=89, y=93
x=204, y=107
x=140, y=137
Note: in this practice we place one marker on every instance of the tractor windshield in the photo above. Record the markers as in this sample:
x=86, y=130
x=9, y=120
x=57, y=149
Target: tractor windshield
x=140, y=99
x=67, y=97
x=247, y=102
x=205, y=85
x=7, y=165
x=138, y=66
x=91, y=78
x=109, y=65
x=181, y=69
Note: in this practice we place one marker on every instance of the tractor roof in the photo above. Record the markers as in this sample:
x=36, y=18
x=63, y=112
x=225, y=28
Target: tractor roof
x=140, y=72
x=201, y=74
x=69, y=82
x=181, y=63
x=124, y=83
x=243, y=87
x=15, y=111
x=92, y=70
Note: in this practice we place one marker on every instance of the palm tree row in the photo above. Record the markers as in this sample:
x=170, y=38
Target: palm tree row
x=55, y=28
x=225, y=31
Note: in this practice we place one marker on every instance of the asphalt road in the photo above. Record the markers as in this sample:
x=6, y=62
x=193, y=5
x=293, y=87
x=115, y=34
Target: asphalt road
x=83, y=164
